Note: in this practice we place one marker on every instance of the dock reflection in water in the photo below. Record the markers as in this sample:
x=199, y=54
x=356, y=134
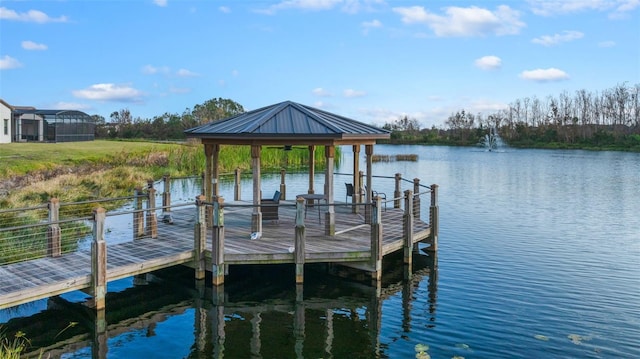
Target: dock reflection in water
x=258, y=314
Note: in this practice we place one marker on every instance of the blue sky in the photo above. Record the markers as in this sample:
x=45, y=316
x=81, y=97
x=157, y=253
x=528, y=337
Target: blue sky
x=371, y=60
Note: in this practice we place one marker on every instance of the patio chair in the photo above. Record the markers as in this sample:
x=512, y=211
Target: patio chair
x=269, y=207
x=349, y=191
x=382, y=195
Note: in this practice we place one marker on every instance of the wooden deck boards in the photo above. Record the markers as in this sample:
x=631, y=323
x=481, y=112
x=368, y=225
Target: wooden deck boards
x=39, y=278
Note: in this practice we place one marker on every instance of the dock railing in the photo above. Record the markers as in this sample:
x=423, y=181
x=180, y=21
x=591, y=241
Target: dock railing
x=55, y=229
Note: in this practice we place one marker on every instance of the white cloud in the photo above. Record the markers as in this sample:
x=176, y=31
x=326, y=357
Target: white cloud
x=348, y=6
x=488, y=62
x=7, y=62
x=235, y=73
x=309, y=5
x=464, y=22
x=161, y=3
x=431, y=115
x=225, y=9
x=607, y=44
x=29, y=16
x=179, y=90
x=71, y=106
x=186, y=73
x=550, y=40
x=30, y=45
x=617, y=8
x=356, y=6
x=109, y=92
x=544, y=75
x=368, y=25
x=319, y=91
x=351, y=93
x=152, y=70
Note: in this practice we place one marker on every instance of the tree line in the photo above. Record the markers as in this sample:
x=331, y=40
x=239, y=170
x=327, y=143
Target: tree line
x=584, y=119
x=607, y=119
x=168, y=126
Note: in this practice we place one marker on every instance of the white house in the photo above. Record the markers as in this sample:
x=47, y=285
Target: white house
x=29, y=124
x=5, y=122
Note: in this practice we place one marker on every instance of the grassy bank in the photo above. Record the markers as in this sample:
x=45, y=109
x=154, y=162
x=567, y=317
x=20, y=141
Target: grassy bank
x=31, y=173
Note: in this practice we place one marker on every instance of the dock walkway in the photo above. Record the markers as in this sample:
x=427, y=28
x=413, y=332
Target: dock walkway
x=174, y=245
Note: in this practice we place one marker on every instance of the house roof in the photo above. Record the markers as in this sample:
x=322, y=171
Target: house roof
x=25, y=110
x=287, y=122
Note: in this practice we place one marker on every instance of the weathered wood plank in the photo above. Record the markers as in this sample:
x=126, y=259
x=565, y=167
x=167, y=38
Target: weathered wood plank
x=44, y=277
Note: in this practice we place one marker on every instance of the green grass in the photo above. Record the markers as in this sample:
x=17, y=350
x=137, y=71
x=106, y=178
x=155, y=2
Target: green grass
x=82, y=171
x=22, y=158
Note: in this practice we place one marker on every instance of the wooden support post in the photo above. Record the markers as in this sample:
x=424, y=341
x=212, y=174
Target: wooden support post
x=99, y=259
x=256, y=215
x=299, y=329
x=99, y=344
x=355, y=199
x=408, y=227
x=434, y=220
x=215, y=171
x=200, y=238
x=217, y=250
x=283, y=184
x=166, y=200
x=312, y=169
x=376, y=240
x=396, y=192
x=218, y=323
x=54, y=246
x=206, y=179
x=138, y=215
x=237, y=189
x=330, y=215
x=152, y=220
x=299, y=240
x=255, y=343
x=416, y=197
x=368, y=149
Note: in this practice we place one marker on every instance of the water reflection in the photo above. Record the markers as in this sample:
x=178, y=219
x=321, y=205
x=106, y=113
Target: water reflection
x=256, y=314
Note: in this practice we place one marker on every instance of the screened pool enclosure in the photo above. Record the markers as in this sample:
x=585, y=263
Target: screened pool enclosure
x=52, y=126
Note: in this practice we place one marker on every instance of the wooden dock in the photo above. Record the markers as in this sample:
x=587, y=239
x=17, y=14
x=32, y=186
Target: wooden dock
x=173, y=244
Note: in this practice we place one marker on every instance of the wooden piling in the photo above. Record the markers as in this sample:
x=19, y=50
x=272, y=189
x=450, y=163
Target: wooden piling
x=217, y=249
x=396, y=192
x=416, y=197
x=237, y=190
x=99, y=259
x=200, y=238
x=138, y=215
x=54, y=247
x=166, y=200
x=283, y=184
x=407, y=227
x=152, y=220
x=434, y=218
x=299, y=240
x=376, y=240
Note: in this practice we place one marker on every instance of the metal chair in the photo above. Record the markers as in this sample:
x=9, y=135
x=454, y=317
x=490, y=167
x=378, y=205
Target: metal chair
x=382, y=195
x=269, y=207
x=349, y=192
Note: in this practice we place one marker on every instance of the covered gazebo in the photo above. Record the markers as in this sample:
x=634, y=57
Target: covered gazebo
x=289, y=124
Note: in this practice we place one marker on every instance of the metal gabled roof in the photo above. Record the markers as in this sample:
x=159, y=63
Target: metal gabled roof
x=287, y=120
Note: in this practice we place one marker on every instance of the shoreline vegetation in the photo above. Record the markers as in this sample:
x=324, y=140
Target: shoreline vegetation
x=34, y=172
x=606, y=120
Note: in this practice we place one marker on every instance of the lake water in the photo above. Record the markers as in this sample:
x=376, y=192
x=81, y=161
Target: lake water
x=539, y=257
